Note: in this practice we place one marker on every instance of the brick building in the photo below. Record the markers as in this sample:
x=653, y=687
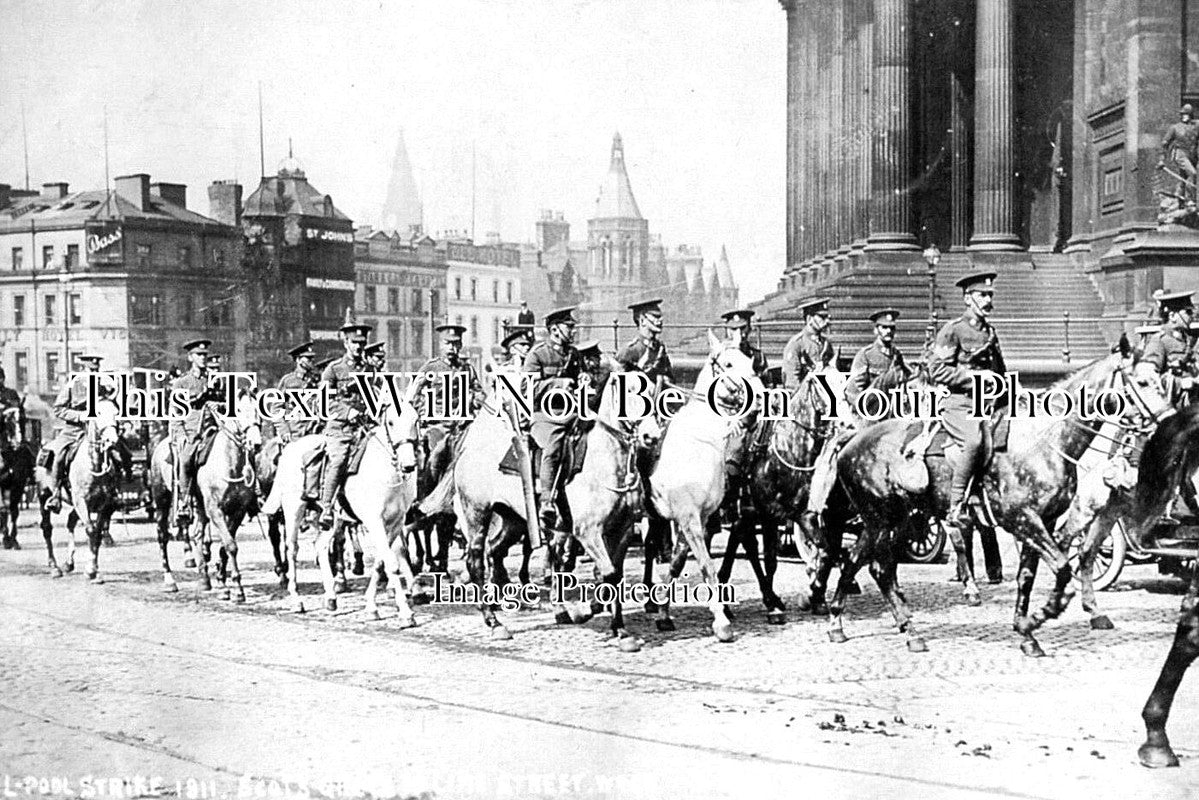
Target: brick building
x=130, y=274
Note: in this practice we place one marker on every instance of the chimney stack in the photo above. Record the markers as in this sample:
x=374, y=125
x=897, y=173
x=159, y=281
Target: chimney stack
x=134, y=189
x=54, y=191
x=173, y=193
x=224, y=202
x=5, y=195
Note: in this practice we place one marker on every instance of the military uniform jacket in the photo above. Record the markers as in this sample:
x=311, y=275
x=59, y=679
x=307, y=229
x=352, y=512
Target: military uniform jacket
x=344, y=400
x=551, y=367
x=870, y=364
x=443, y=406
x=199, y=394
x=965, y=346
x=290, y=429
x=807, y=351
x=70, y=405
x=1167, y=352
x=647, y=356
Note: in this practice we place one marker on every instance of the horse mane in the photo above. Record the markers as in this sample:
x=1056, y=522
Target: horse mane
x=1172, y=454
x=1083, y=375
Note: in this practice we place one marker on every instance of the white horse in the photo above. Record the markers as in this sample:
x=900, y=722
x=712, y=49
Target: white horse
x=92, y=481
x=378, y=494
x=688, y=482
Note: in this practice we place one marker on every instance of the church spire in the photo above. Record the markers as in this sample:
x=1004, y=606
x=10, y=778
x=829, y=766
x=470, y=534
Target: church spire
x=616, y=199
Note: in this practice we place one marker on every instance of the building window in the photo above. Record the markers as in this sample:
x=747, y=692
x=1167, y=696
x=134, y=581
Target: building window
x=458, y=320
x=51, y=370
x=187, y=309
x=495, y=330
x=145, y=309
x=51, y=306
x=72, y=256
x=218, y=258
x=434, y=302
x=418, y=338
x=457, y=288
x=143, y=256
x=474, y=288
x=18, y=258
x=393, y=338
x=47, y=255
x=474, y=330
x=73, y=362
x=18, y=311
x=368, y=299
x=393, y=301
x=495, y=291
x=185, y=257
x=509, y=292
x=20, y=363
x=417, y=305
x=73, y=303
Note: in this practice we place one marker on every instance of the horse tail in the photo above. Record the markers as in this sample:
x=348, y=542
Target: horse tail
x=1168, y=457
x=439, y=500
x=274, y=500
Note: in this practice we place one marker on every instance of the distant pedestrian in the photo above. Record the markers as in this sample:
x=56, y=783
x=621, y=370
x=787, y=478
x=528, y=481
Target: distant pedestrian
x=525, y=317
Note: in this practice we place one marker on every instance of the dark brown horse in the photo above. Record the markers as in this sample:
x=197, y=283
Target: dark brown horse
x=1028, y=487
x=1174, y=448
x=15, y=474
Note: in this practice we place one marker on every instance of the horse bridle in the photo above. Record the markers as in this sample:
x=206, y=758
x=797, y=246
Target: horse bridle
x=393, y=446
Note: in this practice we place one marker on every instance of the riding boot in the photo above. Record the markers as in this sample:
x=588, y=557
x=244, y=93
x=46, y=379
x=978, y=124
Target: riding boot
x=312, y=482
x=54, y=503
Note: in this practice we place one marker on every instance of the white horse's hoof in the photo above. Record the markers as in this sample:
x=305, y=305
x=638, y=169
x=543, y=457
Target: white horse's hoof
x=405, y=622
x=500, y=634
x=68, y=567
x=579, y=613
x=170, y=587
x=298, y=607
x=724, y=632
x=95, y=579
x=55, y=572
x=973, y=598
x=373, y=614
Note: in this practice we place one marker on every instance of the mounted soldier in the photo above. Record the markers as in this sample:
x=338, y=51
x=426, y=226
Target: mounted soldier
x=647, y=353
x=11, y=403
x=375, y=355
x=186, y=433
x=878, y=365
x=1168, y=357
x=809, y=350
x=304, y=377
x=347, y=416
x=738, y=327
x=70, y=406
x=517, y=343
x=966, y=347
x=553, y=364
x=440, y=431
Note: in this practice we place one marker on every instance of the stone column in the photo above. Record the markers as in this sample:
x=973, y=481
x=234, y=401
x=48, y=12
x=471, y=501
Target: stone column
x=994, y=203
x=891, y=209
x=959, y=181
x=807, y=133
x=794, y=174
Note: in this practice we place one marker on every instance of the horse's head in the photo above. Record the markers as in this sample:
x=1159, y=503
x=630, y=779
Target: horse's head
x=102, y=428
x=1120, y=392
x=732, y=371
x=245, y=418
x=399, y=429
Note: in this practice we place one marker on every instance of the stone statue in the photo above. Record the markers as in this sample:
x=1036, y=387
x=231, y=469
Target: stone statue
x=1179, y=154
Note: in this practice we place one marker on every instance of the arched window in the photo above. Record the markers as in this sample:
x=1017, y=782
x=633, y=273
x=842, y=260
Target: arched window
x=629, y=263
x=606, y=249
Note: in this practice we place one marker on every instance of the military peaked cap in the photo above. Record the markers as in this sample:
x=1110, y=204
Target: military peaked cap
x=737, y=318
x=815, y=305
x=1176, y=301
x=646, y=307
x=977, y=282
x=197, y=346
x=887, y=316
x=301, y=350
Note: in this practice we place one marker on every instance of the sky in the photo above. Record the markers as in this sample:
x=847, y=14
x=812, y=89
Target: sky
x=534, y=88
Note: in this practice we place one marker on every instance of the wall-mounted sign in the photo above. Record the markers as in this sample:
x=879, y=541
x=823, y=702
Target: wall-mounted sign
x=321, y=235
x=103, y=240
x=329, y=283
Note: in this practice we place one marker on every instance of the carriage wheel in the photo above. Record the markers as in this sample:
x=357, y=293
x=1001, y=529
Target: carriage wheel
x=1109, y=560
x=925, y=543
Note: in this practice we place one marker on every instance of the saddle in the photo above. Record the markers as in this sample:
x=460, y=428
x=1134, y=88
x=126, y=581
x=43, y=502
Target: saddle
x=357, y=451
x=926, y=441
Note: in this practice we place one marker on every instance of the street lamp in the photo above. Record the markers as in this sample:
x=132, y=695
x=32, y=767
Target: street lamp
x=932, y=257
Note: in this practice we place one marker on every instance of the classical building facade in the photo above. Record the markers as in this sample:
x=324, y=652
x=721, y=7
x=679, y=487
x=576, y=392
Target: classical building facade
x=620, y=262
x=1013, y=134
x=401, y=292
x=483, y=284
x=129, y=273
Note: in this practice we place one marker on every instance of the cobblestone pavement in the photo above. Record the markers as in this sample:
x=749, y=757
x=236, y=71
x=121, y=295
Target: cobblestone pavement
x=122, y=680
